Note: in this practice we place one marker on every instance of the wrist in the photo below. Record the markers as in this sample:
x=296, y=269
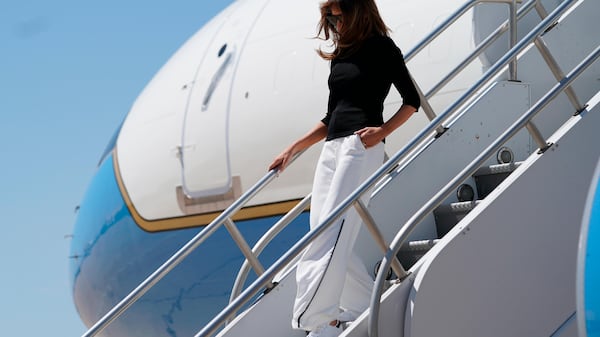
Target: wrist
x=385, y=130
x=294, y=148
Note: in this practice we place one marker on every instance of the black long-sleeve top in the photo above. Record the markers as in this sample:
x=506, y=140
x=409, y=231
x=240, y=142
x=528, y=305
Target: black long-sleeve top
x=359, y=83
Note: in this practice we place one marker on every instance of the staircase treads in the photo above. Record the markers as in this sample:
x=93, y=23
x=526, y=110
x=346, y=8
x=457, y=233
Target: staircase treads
x=418, y=246
x=411, y=252
x=489, y=177
x=447, y=216
x=456, y=207
x=496, y=169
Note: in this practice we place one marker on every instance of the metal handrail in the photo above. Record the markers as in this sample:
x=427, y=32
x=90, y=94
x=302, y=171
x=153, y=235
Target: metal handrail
x=291, y=254
x=511, y=24
x=483, y=45
x=223, y=218
x=182, y=253
x=418, y=143
x=441, y=28
x=363, y=212
x=425, y=42
x=243, y=273
x=478, y=161
x=524, y=10
x=412, y=146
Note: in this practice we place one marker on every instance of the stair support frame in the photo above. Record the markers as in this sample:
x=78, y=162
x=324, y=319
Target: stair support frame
x=367, y=218
x=244, y=247
x=261, y=245
x=466, y=172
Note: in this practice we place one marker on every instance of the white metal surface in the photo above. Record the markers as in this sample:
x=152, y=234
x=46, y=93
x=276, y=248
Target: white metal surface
x=205, y=152
x=474, y=284
x=272, y=315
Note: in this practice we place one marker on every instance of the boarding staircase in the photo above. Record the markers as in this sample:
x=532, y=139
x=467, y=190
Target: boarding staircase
x=447, y=215
x=477, y=217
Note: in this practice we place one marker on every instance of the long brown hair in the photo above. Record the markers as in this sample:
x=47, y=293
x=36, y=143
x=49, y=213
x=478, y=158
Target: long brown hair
x=361, y=19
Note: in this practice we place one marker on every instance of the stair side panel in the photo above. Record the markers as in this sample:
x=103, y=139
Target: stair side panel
x=508, y=269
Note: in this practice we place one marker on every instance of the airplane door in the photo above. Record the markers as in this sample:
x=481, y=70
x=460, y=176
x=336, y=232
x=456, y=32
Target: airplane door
x=206, y=170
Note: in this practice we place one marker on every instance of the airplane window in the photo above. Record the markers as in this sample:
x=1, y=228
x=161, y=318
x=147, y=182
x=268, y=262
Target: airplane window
x=222, y=50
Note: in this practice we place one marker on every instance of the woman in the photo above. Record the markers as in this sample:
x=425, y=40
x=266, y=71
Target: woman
x=333, y=284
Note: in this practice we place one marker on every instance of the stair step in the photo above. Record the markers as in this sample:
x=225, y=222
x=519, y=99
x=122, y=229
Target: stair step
x=457, y=207
x=486, y=180
x=497, y=169
x=488, y=177
x=446, y=216
x=418, y=246
x=412, y=251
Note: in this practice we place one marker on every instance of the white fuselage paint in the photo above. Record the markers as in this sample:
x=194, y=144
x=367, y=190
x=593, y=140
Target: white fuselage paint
x=268, y=88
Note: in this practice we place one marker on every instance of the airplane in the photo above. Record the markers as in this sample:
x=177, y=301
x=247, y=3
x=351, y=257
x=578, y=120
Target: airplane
x=588, y=268
x=205, y=128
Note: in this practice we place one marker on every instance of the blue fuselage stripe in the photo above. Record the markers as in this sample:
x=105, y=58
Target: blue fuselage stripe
x=112, y=255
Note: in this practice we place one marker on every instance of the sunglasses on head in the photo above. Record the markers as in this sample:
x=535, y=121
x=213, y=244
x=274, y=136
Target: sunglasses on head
x=333, y=19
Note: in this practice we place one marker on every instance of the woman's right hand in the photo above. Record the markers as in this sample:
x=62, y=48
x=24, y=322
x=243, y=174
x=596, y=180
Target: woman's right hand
x=282, y=160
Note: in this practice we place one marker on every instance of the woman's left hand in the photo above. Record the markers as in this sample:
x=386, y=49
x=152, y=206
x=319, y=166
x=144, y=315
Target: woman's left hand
x=371, y=135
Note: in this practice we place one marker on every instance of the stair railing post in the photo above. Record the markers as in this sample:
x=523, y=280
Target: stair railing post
x=551, y=61
x=427, y=109
x=244, y=247
x=364, y=213
x=537, y=137
x=543, y=13
x=261, y=245
x=512, y=23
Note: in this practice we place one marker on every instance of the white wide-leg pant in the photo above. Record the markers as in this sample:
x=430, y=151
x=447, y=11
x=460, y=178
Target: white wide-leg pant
x=331, y=279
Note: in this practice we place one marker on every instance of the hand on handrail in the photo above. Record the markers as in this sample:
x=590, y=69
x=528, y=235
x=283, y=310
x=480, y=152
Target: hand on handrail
x=317, y=133
x=283, y=159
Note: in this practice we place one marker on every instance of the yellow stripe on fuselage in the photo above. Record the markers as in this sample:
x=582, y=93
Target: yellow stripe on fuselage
x=196, y=220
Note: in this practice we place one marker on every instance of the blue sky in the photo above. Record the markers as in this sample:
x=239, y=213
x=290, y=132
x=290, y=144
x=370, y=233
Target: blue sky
x=69, y=72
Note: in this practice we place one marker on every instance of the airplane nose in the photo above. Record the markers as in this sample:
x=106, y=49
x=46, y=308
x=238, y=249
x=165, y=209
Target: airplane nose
x=112, y=255
x=100, y=211
x=135, y=215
